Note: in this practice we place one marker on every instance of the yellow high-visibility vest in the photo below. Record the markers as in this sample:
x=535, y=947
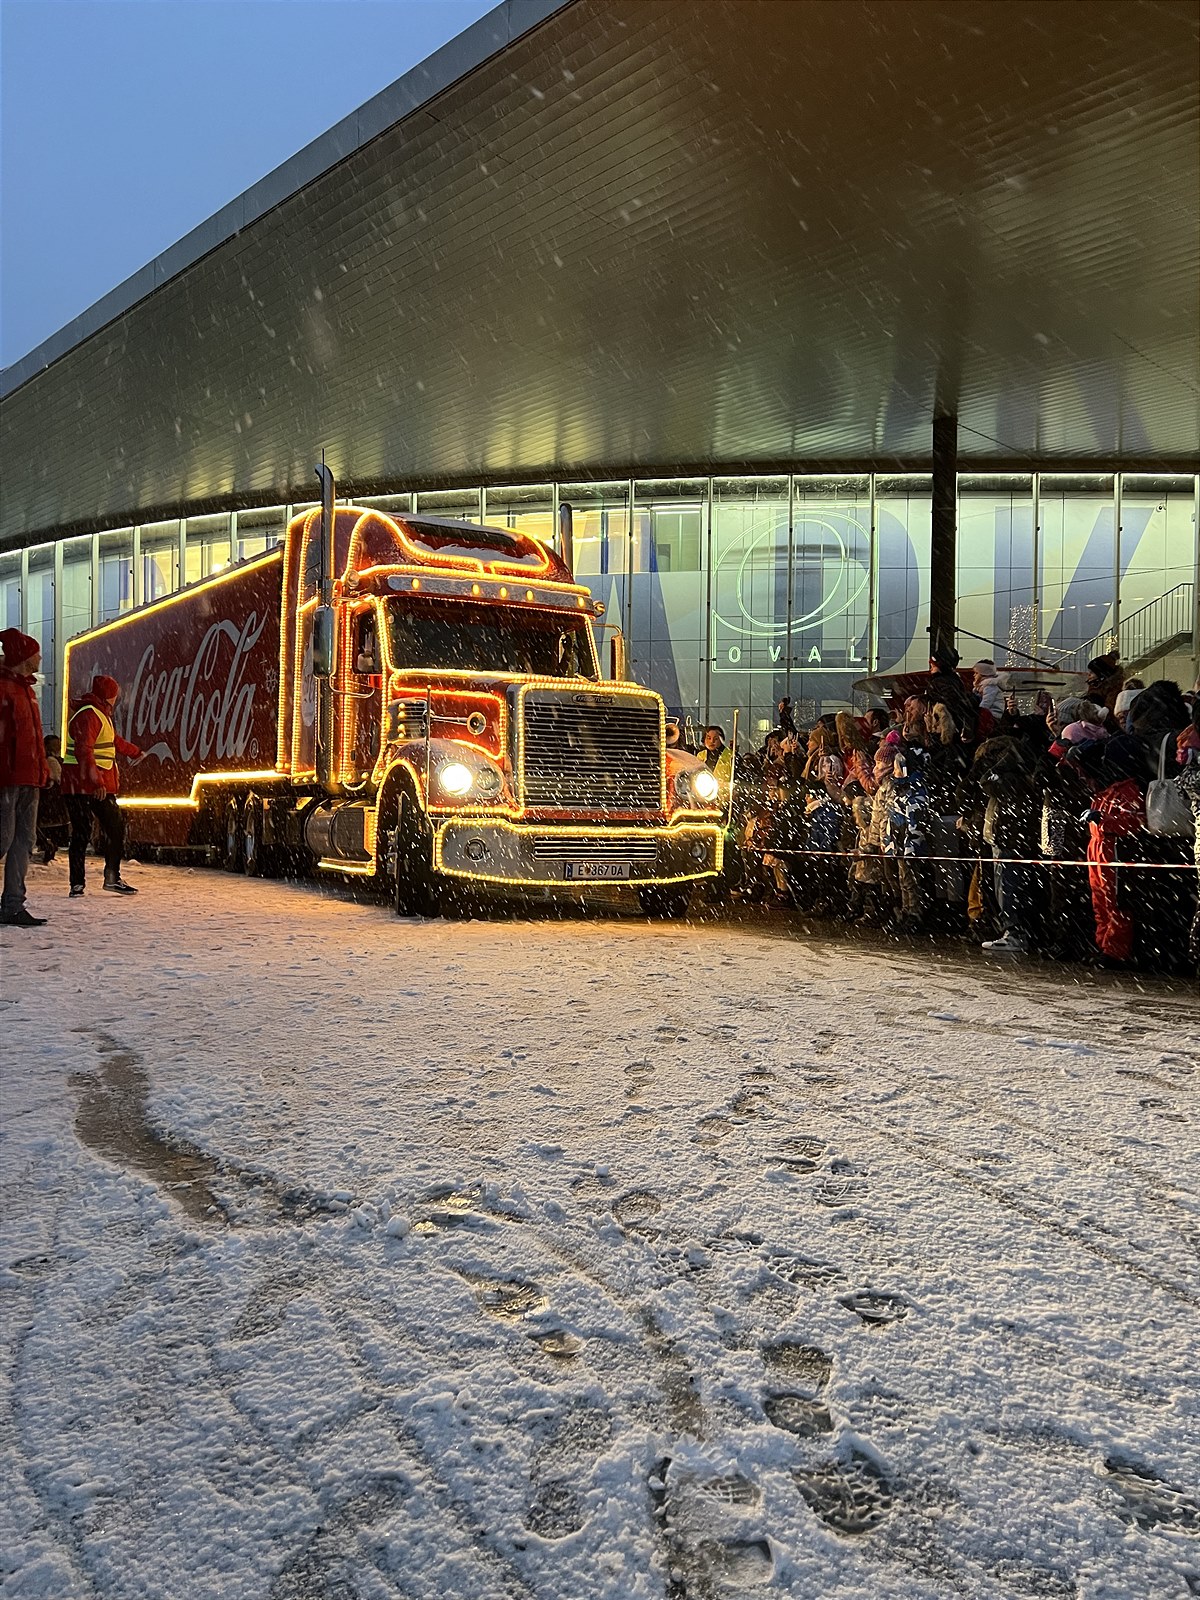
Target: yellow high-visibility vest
x=104, y=752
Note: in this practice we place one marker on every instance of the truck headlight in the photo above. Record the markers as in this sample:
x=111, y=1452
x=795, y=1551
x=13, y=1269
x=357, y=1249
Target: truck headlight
x=456, y=779
x=705, y=785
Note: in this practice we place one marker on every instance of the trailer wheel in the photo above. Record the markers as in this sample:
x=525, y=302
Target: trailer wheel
x=662, y=900
x=406, y=855
x=256, y=853
x=234, y=838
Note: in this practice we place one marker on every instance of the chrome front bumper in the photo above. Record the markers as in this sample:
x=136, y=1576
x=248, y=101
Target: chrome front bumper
x=538, y=855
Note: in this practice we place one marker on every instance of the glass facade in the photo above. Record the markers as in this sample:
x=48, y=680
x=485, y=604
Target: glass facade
x=733, y=592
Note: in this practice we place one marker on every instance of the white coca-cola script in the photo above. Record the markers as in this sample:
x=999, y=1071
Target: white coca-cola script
x=202, y=711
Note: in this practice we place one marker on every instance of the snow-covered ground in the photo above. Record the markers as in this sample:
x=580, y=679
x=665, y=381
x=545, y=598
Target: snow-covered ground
x=584, y=1259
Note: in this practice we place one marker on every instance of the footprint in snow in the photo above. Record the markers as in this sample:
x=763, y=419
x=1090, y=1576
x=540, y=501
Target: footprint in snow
x=875, y=1306
x=1148, y=1501
x=578, y=1436
x=634, y=1210
x=851, y=1496
x=798, y=1414
x=806, y=1365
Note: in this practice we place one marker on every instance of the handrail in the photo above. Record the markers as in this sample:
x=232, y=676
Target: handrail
x=1139, y=634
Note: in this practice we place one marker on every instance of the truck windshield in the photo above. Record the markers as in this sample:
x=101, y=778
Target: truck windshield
x=458, y=636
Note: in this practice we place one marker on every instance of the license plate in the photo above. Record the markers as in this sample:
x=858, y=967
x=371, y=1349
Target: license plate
x=595, y=871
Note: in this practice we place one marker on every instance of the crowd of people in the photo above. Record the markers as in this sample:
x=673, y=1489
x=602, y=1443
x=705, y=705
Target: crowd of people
x=1067, y=829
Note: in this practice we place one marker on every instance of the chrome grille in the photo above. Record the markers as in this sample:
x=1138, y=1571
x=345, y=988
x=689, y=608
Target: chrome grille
x=595, y=848
x=581, y=753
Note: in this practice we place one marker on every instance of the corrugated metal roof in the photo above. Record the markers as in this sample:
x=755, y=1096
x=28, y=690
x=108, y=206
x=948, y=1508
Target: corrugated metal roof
x=687, y=232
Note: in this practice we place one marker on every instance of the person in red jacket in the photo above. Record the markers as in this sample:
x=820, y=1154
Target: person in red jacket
x=23, y=771
x=91, y=781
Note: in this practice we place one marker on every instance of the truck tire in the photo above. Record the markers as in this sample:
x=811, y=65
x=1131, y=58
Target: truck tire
x=406, y=855
x=665, y=900
x=257, y=855
x=231, y=858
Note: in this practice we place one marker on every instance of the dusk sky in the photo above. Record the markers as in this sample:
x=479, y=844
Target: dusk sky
x=127, y=122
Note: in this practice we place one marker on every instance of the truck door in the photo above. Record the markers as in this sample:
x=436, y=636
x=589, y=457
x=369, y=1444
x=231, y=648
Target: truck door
x=361, y=704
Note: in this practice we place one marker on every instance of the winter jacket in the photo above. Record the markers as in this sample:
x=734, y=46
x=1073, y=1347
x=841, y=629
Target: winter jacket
x=1119, y=811
x=87, y=767
x=22, y=752
x=948, y=689
x=1006, y=772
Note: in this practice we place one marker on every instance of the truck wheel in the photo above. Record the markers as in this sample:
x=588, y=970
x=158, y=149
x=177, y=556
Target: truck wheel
x=662, y=900
x=232, y=859
x=406, y=848
x=256, y=853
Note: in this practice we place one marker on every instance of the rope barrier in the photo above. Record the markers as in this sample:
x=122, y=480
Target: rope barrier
x=983, y=861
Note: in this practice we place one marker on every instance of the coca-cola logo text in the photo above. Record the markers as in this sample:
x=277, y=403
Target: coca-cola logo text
x=204, y=710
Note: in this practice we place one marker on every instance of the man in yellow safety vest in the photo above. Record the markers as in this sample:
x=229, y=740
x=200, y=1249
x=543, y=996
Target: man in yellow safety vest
x=91, y=781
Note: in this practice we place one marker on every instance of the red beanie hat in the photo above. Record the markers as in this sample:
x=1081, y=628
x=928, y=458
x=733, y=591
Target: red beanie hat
x=18, y=646
x=105, y=688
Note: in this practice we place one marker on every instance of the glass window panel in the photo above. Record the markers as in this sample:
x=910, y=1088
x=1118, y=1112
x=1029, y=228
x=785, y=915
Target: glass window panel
x=10, y=590
x=994, y=570
x=160, y=559
x=831, y=589
x=116, y=574
x=749, y=594
x=77, y=587
x=1076, y=559
x=39, y=621
x=208, y=549
x=1158, y=565
x=393, y=504
x=459, y=505
x=903, y=522
x=666, y=595
x=260, y=530
x=528, y=510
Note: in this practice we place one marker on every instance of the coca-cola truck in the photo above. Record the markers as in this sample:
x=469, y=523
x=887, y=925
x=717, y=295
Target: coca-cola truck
x=404, y=698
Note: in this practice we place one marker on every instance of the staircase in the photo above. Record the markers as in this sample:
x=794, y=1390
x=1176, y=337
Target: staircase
x=1145, y=635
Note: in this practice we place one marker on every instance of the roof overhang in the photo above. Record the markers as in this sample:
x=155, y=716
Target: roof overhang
x=612, y=236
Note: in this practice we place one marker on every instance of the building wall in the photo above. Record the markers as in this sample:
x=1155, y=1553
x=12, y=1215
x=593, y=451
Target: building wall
x=736, y=591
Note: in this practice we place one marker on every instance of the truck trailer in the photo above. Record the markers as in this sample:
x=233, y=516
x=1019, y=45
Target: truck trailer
x=409, y=699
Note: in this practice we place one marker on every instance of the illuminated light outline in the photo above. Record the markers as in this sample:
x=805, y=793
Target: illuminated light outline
x=137, y=802
x=670, y=833
x=426, y=556
x=353, y=869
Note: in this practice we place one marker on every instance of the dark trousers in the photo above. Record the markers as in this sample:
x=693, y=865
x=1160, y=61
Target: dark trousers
x=82, y=810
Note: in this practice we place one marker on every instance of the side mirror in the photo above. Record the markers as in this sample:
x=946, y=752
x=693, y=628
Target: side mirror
x=616, y=656
x=322, y=642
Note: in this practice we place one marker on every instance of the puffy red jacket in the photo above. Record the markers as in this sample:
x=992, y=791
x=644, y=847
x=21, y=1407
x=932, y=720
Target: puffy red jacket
x=22, y=752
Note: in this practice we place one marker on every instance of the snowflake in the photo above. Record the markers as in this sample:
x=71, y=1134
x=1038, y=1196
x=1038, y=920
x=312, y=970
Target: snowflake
x=270, y=678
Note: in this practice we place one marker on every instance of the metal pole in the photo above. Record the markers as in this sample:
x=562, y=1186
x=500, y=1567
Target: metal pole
x=325, y=477
x=1116, y=622
x=1036, y=513
x=732, y=765
x=791, y=579
x=1196, y=579
x=872, y=580
x=943, y=532
x=708, y=629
